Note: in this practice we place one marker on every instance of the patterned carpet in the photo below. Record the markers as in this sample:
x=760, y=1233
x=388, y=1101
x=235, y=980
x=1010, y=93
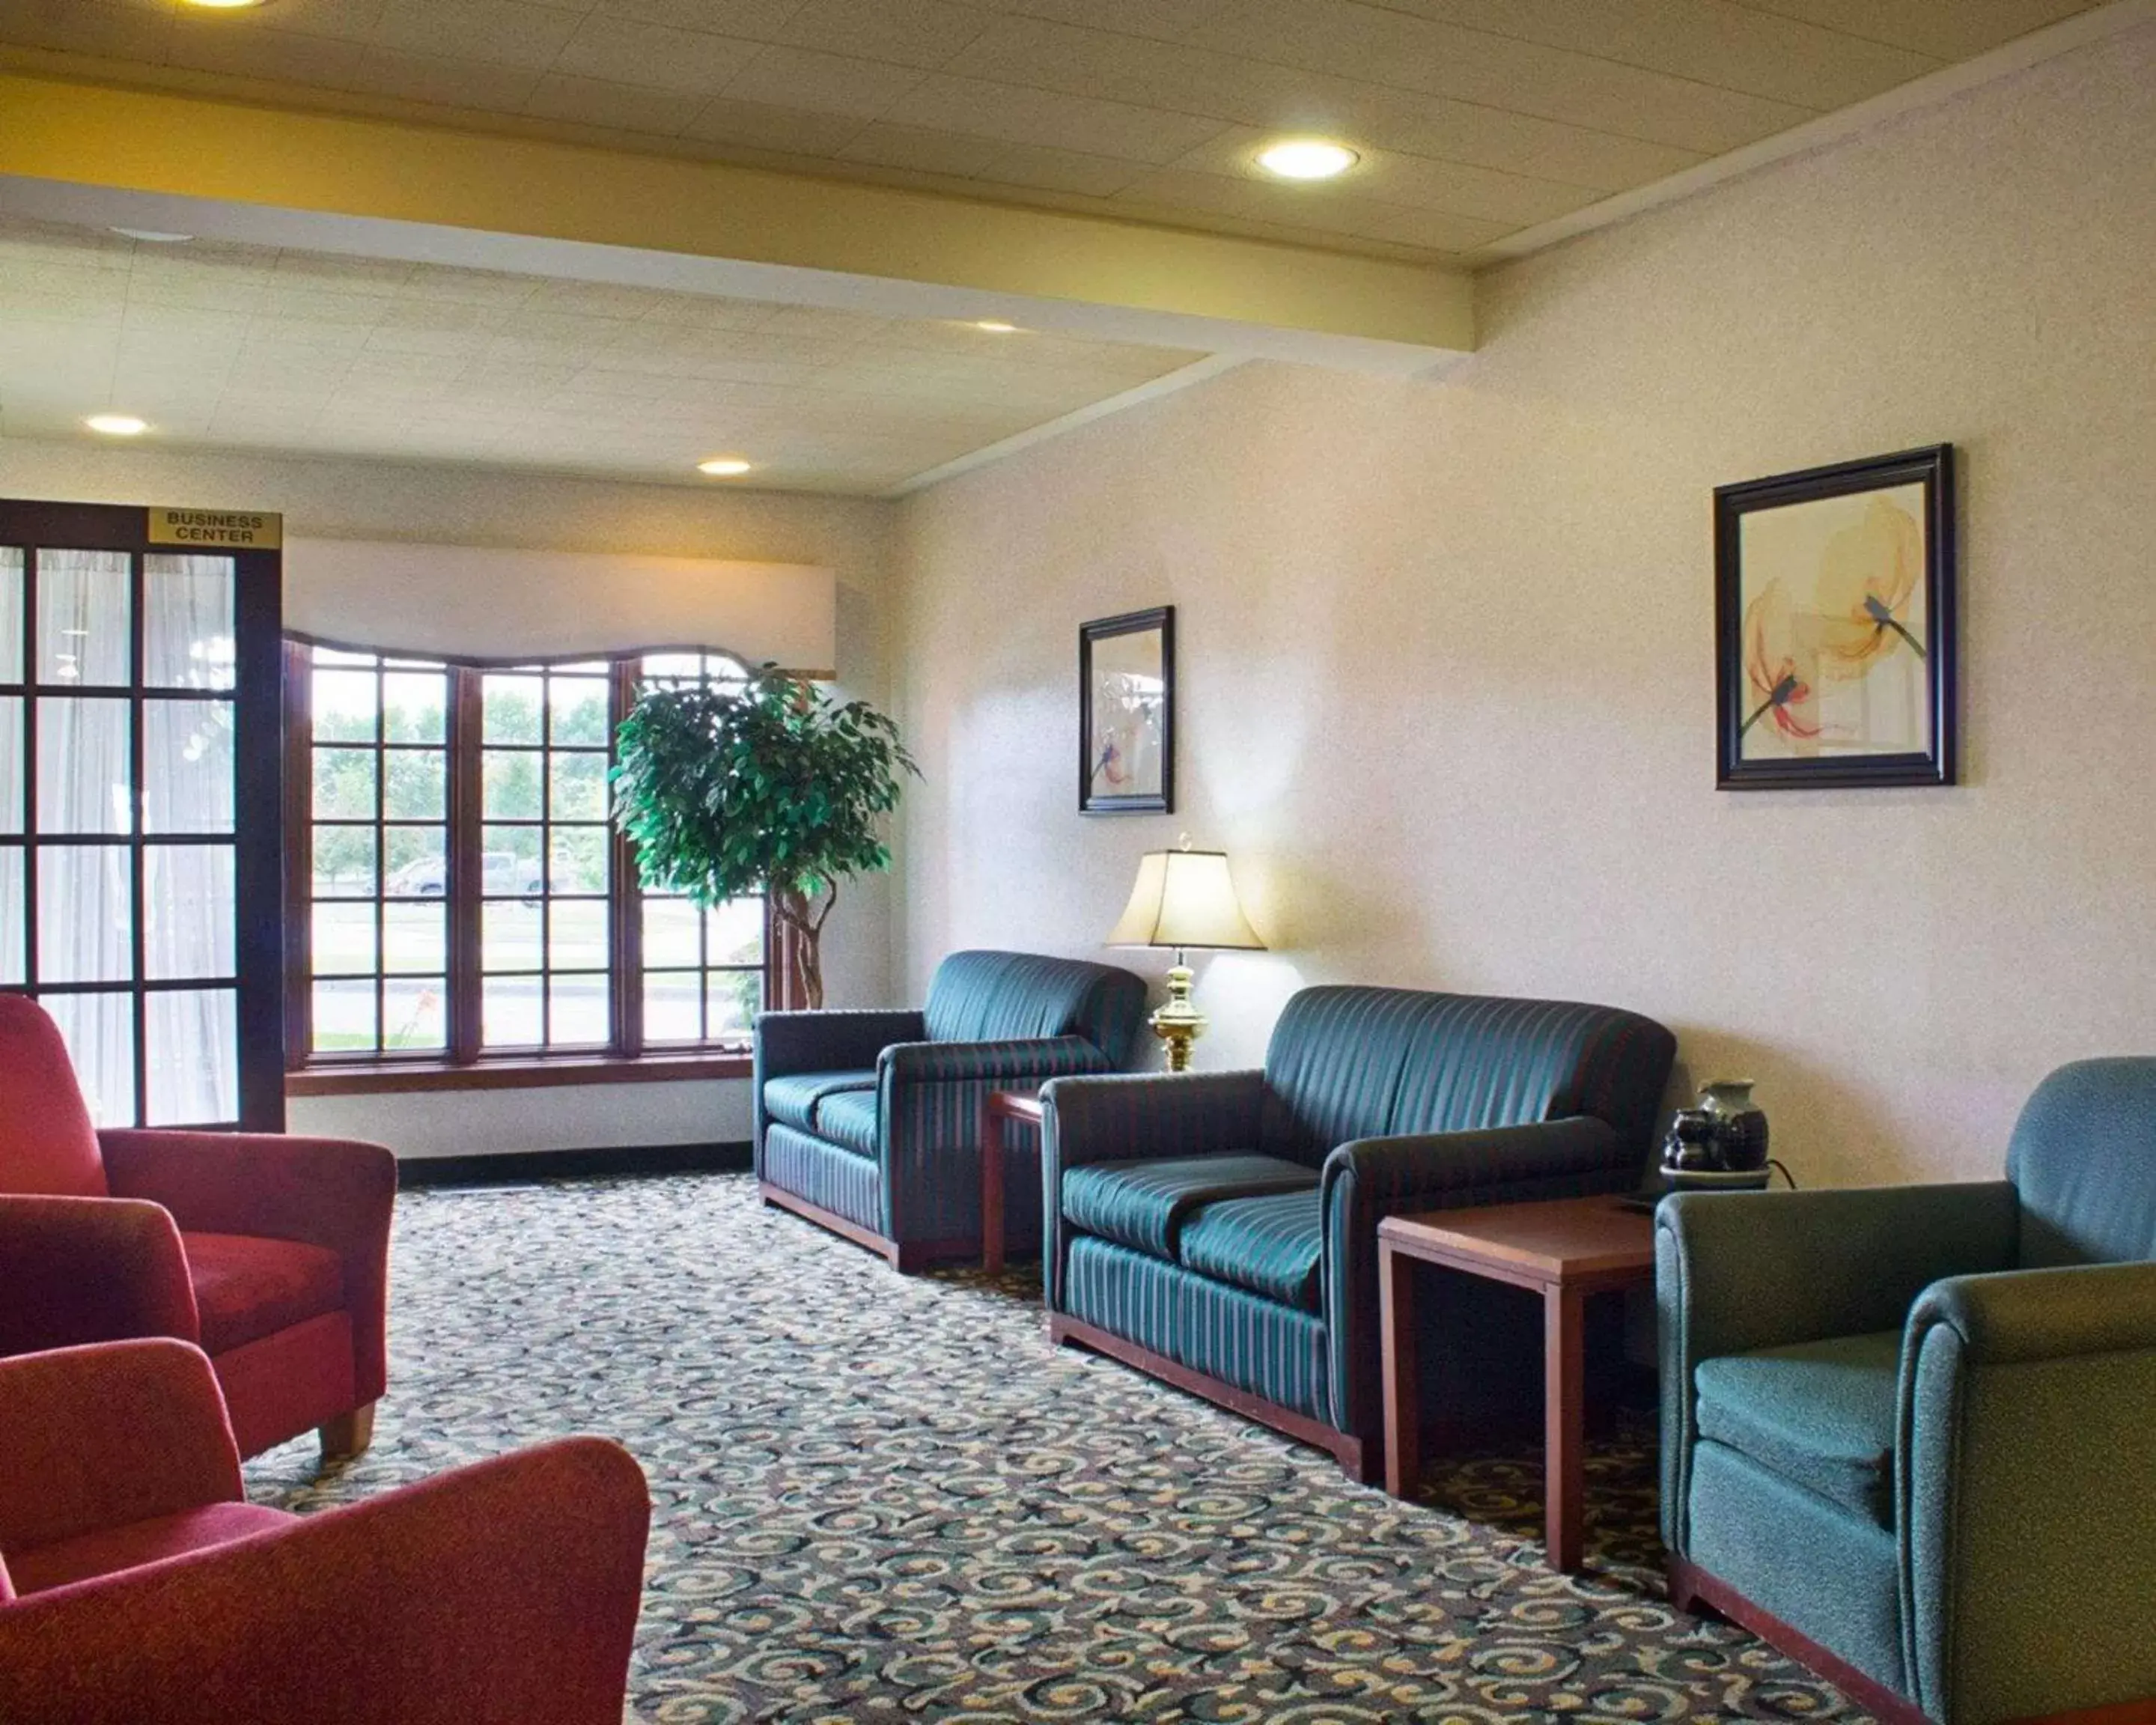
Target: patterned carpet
x=887, y=1499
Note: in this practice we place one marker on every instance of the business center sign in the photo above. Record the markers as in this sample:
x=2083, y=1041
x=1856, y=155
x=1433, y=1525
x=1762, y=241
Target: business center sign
x=216, y=529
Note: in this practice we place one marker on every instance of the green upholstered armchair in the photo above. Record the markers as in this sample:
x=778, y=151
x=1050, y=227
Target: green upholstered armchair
x=1909, y=1434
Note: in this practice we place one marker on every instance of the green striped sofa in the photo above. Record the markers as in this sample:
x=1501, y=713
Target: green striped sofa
x=1220, y=1230
x=869, y=1123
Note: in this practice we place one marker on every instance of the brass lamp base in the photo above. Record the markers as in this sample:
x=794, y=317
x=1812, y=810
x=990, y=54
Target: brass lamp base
x=1178, y=1023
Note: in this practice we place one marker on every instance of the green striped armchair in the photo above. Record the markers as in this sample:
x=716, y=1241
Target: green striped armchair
x=1220, y=1230
x=868, y=1123
x=1909, y=1432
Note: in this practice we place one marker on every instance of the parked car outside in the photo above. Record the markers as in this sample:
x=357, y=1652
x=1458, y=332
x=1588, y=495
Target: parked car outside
x=503, y=875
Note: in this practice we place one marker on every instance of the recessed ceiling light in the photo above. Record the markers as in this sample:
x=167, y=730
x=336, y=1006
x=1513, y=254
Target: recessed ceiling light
x=995, y=326
x=117, y=425
x=723, y=466
x=222, y=5
x=1306, y=158
x=153, y=236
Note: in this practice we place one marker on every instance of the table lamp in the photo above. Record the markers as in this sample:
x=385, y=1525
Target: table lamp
x=1183, y=898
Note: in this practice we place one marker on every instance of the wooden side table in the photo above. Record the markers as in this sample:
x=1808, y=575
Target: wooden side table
x=997, y=1107
x=1564, y=1250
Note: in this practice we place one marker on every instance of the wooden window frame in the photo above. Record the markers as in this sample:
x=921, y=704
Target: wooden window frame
x=465, y=1064
x=32, y=527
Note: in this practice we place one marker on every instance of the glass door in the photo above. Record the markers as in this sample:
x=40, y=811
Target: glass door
x=142, y=811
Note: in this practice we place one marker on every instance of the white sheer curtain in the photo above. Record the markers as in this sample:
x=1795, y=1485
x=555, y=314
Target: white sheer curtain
x=88, y=785
x=13, y=905
x=84, y=788
x=192, y=1034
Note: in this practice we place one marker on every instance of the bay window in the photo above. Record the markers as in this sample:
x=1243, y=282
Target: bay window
x=461, y=903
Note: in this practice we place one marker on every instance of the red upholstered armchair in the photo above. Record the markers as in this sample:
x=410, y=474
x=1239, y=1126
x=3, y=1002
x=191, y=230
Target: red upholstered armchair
x=136, y=1585
x=272, y=1252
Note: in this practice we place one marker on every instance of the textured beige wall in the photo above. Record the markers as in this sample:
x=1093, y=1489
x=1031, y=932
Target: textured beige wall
x=1446, y=683
x=449, y=505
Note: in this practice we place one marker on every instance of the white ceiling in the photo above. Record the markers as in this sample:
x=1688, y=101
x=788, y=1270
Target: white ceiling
x=241, y=347
x=1477, y=119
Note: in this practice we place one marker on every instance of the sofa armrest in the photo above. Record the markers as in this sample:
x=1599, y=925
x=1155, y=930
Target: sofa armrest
x=1018, y=1062
x=81, y=1270
x=1738, y=1271
x=504, y=1591
x=334, y=1193
x=96, y=1437
x=1133, y=1116
x=788, y=1042
x=2026, y=1466
x=1371, y=1178
x=1129, y=1117
x=928, y=1110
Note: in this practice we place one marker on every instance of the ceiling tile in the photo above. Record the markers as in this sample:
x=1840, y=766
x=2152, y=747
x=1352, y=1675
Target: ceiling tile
x=460, y=83
x=624, y=51
x=1034, y=166
x=938, y=152
x=1436, y=230
x=805, y=79
x=1059, y=121
x=251, y=52
x=1165, y=20
x=623, y=107
x=1733, y=46
x=906, y=33
x=761, y=126
x=756, y=20
x=1040, y=55
x=505, y=32
x=1951, y=29
x=86, y=27
x=1381, y=47
x=345, y=20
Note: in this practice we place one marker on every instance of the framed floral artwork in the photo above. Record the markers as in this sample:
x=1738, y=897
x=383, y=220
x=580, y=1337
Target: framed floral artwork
x=1834, y=606
x=1127, y=714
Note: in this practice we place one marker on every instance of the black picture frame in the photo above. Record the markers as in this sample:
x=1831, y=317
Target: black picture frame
x=1154, y=793
x=1761, y=669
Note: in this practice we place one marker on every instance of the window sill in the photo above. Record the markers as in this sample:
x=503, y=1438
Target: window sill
x=391, y=1076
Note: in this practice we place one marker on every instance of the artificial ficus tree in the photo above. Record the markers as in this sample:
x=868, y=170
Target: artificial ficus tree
x=769, y=786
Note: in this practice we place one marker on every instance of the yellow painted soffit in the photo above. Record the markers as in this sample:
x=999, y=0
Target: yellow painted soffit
x=195, y=147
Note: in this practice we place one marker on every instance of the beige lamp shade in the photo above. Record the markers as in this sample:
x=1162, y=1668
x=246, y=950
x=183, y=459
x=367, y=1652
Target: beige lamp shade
x=1183, y=898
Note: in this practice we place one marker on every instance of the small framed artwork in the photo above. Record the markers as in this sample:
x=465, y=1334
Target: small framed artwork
x=1127, y=714
x=1834, y=617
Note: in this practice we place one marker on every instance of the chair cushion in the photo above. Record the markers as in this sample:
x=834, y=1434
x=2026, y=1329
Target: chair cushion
x=792, y=1101
x=848, y=1117
x=48, y=1145
x=110, y=1549
x=1139, y=1203
x=1269, y=1245
x=1820, y=1414
x=247, y=1287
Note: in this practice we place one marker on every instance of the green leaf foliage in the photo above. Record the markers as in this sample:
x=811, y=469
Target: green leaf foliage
x=772, y=787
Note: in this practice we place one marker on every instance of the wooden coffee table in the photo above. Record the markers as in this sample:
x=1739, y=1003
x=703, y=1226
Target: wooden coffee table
x=997, y=1107
x=1565, y=1250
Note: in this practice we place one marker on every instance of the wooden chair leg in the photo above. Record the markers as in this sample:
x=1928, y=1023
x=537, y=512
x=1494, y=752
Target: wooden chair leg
x=348, y=1435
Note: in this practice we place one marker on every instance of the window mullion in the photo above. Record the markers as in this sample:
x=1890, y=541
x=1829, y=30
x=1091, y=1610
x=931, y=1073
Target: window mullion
x=299, y=855
x=467, y=871
x=625, y=899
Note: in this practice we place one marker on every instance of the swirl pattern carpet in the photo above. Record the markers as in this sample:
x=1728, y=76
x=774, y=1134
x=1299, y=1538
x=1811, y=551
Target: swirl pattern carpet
x=882, y=1498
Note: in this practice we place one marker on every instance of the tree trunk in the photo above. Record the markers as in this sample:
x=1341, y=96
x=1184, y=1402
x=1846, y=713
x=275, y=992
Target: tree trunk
x=808, y=944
